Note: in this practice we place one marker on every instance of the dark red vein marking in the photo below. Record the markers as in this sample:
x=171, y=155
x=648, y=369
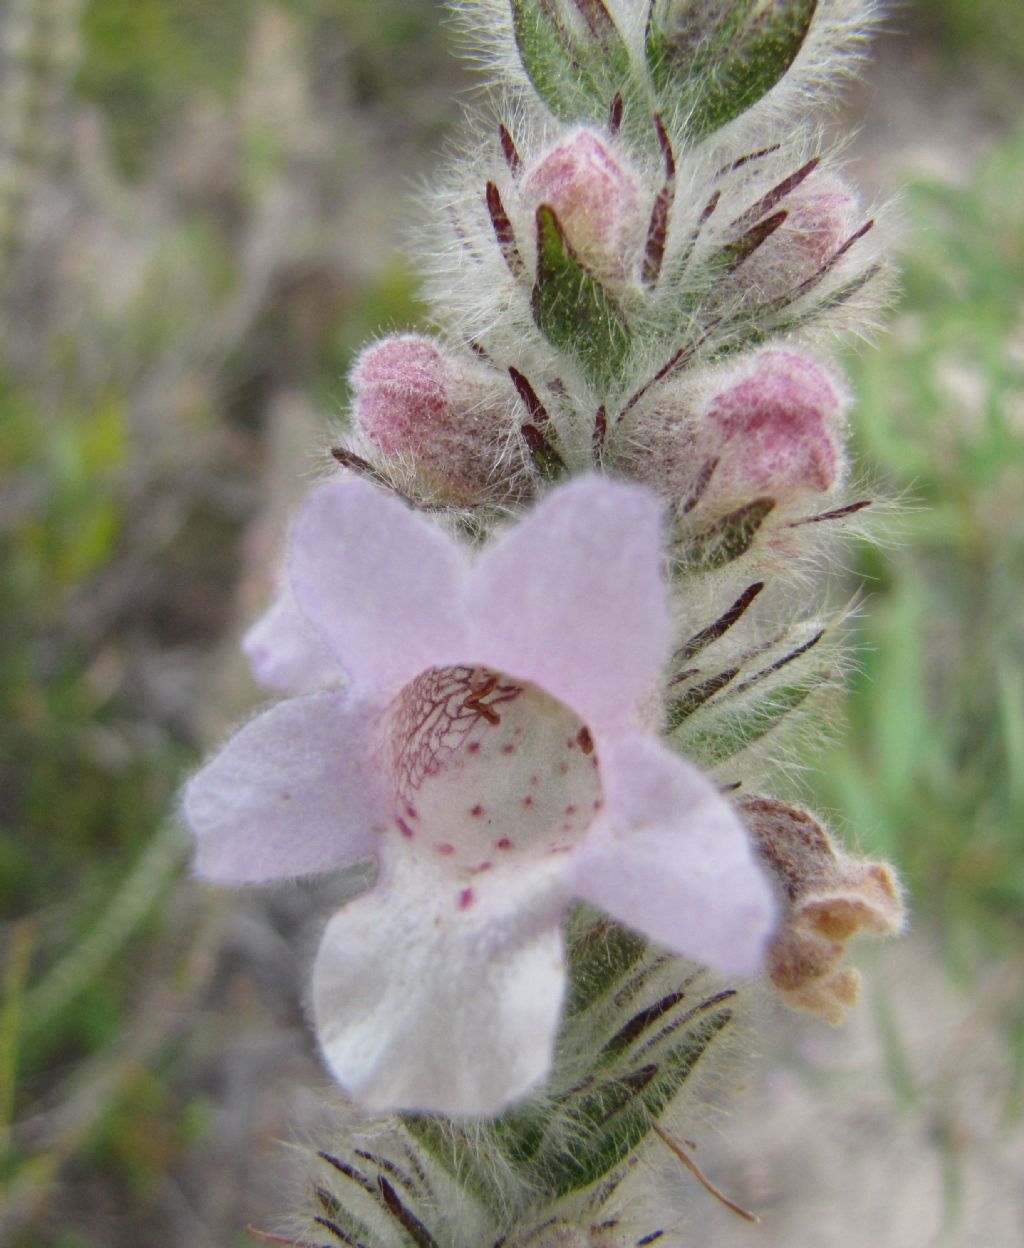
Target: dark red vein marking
x=780, y=663
x=615, y=113
x=509, y=150
x=810, y=282
x=600, y=433
x=504, y=232
x=778, y=192
x=745, y=160
x=720, y=626
x=700, y=485
x=745, y=246
x=681, y=357
x=538, y=412
x=657, y=230
x=838, y=514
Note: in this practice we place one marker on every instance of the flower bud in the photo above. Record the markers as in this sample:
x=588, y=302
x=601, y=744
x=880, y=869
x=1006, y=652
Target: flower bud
x=417, y=401
x=774, y=429
x=769, y=428
x=598, y=201
x=820, y=215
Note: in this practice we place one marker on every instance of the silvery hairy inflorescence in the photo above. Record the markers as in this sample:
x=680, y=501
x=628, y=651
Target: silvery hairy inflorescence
x=553, y=625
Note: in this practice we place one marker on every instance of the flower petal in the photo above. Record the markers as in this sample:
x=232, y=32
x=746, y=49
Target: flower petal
x=435, y=993
x=572, y=599
x=383, y=586
x=288, y=654
x=292, y=793
x=672, y=859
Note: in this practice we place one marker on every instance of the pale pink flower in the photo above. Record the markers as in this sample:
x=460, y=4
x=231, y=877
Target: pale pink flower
x=488, y=752
x=286, y=654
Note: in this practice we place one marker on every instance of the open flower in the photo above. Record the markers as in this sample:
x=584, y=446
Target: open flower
x=488, y=750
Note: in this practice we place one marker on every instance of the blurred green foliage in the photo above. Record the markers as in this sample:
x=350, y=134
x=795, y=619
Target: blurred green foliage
x=980, y=41
x=930, y=769
x=144, y=60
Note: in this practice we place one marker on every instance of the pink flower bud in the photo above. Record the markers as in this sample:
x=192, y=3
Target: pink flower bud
x=770, y=426
x=598, y=201
x=774, y=430
x=418, y=401
x=821, y=214
x=402, y=393
x=657, y=443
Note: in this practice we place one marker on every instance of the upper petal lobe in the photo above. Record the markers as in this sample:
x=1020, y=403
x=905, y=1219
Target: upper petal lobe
x=382, y=585
x=572, y=599
x=287, y=653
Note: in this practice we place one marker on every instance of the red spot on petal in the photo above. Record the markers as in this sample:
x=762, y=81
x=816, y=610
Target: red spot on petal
x=598, y=804
x=534, y=780
x=412, y=812
x=585, y=741
x=570, y=810
x=483, y=866
x=404, y=828
x=477, y=810
x=466, y=898
x=504, y=843
x=527, y=801
x=563, y=769
x=473, y=747
x=508, y=749
x=444, y=848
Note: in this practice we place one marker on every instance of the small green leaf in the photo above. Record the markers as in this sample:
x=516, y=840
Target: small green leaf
x=727, y=538
x=601, y=953
x=683, y=706
x=680, y=53
x=572, y=309
x=732, y=255
x=455, y=1150
x=605, y=33
x=753, y=63
x=614, y=1117
x=722, y=69
x=553, y=62
x=735, y=732
x=549, y=464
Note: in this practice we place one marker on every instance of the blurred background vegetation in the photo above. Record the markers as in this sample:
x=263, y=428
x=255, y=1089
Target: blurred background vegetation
x=197, y=229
